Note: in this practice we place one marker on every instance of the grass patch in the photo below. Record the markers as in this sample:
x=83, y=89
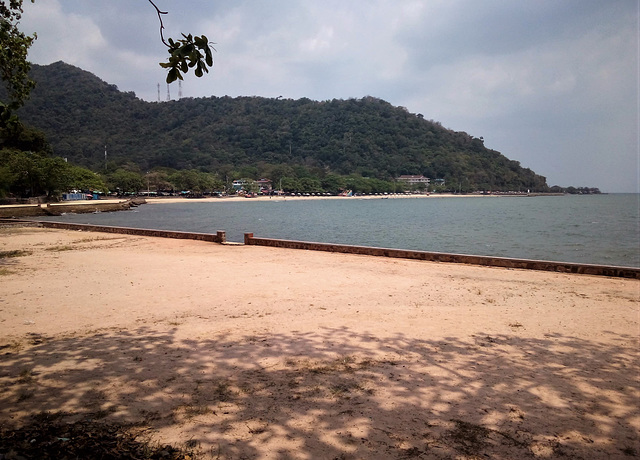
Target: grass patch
x=150, y=415
x=195, y=410
x=344, y=389
x=99, y=239
x=14, y=253
x=60, y=248
x=470, y=438
x=26, y=376
x=13, y=346
x=221, y=391
x=23, y=395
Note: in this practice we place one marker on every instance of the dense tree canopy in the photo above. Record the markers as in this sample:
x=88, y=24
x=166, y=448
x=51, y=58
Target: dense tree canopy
x=26, y=165
x=303, y=145
x=14, y=67
x=25, y=174
x=258, y=137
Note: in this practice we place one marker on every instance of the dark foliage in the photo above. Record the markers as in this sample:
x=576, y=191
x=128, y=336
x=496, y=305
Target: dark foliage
x=367, y=137
x=571, y=190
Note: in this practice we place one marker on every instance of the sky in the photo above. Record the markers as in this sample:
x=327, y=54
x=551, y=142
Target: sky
x=552, y=84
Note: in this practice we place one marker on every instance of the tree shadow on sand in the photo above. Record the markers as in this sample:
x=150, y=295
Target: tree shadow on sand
x=336, y=393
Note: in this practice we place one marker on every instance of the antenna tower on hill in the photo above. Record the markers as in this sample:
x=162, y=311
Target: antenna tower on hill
x=158, y=92
x=168, y=93
x=179, y=89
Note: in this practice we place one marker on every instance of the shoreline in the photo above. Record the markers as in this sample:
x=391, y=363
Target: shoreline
x=160, y=200
x=119, y=204
x=249, y=239
x=141, y=199
x=257, y=352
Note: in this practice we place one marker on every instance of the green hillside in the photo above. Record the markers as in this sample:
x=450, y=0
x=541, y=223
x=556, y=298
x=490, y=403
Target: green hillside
x=256, y=137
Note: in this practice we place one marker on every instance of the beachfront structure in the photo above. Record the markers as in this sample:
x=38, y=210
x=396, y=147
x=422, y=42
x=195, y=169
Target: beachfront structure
x=242, y=184
x=247, y=185
x=414, y=180
x=264, y=185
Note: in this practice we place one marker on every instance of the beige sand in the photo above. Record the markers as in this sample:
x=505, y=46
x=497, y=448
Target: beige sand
x=236, y=198
x=251, y=352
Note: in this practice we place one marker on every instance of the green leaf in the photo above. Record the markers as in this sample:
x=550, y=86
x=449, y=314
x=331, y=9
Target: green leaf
x=188, y=52
x=173, y=75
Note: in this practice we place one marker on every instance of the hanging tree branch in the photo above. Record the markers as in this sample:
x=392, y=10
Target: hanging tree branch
x=160, y=13
x=185, y=53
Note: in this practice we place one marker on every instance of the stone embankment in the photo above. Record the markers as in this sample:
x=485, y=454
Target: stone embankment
x=57, y=209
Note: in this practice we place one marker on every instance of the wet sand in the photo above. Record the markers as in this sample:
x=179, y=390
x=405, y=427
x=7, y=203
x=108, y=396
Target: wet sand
x=254, y=352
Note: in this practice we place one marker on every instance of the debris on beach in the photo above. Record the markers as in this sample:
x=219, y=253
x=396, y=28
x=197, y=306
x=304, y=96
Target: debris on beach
x=49, y=436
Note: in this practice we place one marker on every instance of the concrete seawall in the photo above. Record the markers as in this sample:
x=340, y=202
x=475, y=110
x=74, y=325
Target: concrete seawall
x=219, y=237
x=250, y=240
x=526, y=264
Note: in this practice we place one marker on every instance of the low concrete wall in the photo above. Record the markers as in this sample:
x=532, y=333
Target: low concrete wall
x=85, y=207
x=8, y=223
x=28, y=210
x=563, y=267
x=219, y=237
x=249, y=239
x=23, y=201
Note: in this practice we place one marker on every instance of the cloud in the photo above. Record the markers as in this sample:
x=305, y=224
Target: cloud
x=70, y=37
x=562, y=102
x=103, y=41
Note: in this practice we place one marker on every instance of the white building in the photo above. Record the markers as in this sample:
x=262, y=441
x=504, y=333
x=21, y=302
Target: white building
x=414, y=180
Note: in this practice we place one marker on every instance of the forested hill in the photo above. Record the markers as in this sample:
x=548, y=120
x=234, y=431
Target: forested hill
x=80, y=114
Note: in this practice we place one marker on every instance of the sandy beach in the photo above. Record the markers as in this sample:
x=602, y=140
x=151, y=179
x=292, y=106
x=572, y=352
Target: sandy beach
x=236, y=198
x=262, y=353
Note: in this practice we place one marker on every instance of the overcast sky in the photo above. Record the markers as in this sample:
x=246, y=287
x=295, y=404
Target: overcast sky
x=550, y=83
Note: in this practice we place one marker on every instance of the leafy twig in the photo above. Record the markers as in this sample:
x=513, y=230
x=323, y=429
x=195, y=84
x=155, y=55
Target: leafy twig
x=185, y=53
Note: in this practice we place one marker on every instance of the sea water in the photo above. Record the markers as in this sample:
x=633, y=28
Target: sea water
x=598, y=229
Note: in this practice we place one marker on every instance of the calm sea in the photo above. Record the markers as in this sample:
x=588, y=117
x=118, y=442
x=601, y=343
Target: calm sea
x=598, y=229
